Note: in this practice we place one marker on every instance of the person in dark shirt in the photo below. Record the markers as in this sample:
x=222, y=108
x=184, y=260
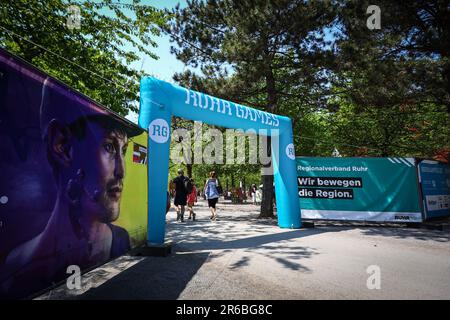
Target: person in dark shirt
x=180, y=194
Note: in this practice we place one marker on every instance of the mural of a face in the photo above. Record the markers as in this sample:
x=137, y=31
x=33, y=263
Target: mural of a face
x=111, y=154
x=62, y=165
x=101, y=157
x=28, y=194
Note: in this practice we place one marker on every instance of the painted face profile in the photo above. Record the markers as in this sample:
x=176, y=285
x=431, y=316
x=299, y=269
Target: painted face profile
x=102, y=156
x=94, y=151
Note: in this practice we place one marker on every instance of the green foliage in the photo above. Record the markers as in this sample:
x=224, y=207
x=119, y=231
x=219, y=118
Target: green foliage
x=406, y=62
x=394, y=82
x=248, y=173
x=105, y=44
x=418, y=131
x=364, y=92
x=271, y=46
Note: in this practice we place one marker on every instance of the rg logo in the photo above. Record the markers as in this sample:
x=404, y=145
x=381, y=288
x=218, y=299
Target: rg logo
x=290, y=151
x=159, y=130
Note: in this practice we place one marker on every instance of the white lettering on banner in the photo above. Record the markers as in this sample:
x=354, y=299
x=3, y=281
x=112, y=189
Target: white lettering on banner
x=238, y=110
x=225, y=107
x=334, y=168
x=250, y=113
x=193, y=95
x=339, y=183
x=259, y=114
x=332, y=194
x=200, y=103
x=244, y=112
x=269, y=121
x=215, y=103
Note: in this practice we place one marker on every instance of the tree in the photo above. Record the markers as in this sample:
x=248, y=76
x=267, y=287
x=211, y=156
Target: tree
x=34, y=29
x=417, y=131
x=405, y=62
x=256, y=41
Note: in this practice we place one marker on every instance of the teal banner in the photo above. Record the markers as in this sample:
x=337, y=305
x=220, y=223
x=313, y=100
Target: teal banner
x=368, y=189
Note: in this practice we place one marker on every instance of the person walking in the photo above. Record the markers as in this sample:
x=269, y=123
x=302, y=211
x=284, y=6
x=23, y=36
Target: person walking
x=191, y=199
x=253, y=193
x=212, y=194
x=179, y=184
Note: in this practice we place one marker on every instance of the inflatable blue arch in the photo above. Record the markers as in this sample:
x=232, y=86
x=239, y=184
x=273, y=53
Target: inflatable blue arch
x=160, y=100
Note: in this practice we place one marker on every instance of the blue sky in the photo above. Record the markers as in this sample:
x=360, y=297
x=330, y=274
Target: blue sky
x=167, y=64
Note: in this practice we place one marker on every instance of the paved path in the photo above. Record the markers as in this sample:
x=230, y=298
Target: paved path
x=242, y=257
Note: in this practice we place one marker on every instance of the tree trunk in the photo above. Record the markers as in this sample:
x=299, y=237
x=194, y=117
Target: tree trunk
x=189, y=170
x=446, y=75
x=267, y=196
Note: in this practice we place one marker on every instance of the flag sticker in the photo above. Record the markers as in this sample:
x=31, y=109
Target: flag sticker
x=139, y=154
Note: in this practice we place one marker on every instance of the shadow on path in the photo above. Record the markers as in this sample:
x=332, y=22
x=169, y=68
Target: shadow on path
x=152, y=278
x=407, y=233
x=247, y=243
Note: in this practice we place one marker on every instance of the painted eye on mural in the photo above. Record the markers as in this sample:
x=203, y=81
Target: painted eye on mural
x=109, y=147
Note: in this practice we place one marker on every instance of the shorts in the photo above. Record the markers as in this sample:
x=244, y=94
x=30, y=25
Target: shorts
x=212, y=202
x=180, y=199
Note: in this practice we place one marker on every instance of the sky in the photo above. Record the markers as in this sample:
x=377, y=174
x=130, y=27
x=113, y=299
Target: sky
x=167, y=65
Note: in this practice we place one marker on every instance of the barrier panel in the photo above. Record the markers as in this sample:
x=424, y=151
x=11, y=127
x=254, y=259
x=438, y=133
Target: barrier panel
x=368, y=189
x=73, y=187
x=434, y=178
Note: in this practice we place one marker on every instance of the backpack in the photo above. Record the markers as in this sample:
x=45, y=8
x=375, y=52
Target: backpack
x=188, y=185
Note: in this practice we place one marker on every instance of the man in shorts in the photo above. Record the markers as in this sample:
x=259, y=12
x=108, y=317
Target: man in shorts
x=180, y=194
